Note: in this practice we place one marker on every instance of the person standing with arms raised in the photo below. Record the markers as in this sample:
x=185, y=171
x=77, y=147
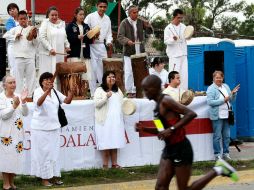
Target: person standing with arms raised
x=97, y=49
x=177, y=47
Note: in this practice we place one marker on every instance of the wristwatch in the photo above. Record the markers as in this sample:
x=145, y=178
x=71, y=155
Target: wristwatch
x=172, y=128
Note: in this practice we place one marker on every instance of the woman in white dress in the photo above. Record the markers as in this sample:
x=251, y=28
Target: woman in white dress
x=45, y=131
x=12, y=110
x=109, y=124
x=53, y=40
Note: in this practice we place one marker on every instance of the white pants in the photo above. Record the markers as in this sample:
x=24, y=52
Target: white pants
x=98, y=52
x=180, y=64
x=11, y=58
x=25, y=68
x=128, y=76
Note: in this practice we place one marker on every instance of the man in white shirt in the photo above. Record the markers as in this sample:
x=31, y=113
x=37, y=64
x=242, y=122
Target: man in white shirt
x=97, y=49
x=158, y=70
x=24, y=53
x=173, y=88
x=131, y=36
x=177, y=47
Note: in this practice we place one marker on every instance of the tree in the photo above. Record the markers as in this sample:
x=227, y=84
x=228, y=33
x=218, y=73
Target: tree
x=230, y=25
x=247, y=27
x=217, y=7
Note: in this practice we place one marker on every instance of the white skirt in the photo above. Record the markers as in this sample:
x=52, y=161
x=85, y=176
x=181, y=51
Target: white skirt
x=45, y=148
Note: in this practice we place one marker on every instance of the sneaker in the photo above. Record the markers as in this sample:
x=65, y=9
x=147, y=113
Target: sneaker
x=217, y=157
x=227, y=170
x=226, y=156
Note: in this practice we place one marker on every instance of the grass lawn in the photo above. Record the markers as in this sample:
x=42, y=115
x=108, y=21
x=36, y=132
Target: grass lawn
x=99, y=176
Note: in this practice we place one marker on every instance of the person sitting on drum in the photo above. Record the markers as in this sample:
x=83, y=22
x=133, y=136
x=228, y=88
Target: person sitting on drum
x=158, y=70
x=133, y=43
x=177, y=47
x=24, y=46
x=173, y=89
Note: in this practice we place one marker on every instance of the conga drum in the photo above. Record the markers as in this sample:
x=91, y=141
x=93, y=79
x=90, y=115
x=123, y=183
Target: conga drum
x=116, y=65
x=70, y=75
x=140, y=71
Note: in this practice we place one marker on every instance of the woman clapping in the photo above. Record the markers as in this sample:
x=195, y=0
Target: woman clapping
x=12, y=110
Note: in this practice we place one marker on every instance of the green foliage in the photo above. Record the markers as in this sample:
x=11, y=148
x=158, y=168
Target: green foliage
x=247, y=27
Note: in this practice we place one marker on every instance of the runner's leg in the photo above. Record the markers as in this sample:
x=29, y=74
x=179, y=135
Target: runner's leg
x=165, y=174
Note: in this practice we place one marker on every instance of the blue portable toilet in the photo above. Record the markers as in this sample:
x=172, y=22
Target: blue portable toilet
x=207, y=54
x=244, y=66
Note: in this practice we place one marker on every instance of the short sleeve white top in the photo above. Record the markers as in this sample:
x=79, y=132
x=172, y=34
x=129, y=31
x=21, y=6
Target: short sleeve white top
x=45, y=117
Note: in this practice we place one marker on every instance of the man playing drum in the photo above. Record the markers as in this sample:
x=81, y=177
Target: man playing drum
x=98, y=50
x=177, y=47
x=177, y=156
x=131, y=36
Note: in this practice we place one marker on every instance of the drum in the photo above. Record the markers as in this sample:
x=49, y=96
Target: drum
x=91, y=33
x=116, y=65
x=128, y=106
x=187, y=97
x=188, y=32
x=140, y=71
x=68, y=68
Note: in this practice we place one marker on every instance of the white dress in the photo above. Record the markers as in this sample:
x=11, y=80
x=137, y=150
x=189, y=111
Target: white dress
x=52, y=36
x=12, y=135
x=111, y=134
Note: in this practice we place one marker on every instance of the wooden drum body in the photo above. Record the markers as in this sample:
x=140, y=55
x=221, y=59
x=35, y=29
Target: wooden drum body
x=116, y=65
x=70, y=75
x=140, y=71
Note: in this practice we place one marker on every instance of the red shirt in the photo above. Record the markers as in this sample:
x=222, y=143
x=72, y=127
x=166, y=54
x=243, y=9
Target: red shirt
x=177, y=135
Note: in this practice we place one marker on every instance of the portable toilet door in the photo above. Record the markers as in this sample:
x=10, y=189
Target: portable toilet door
x=242, y=116
x=245, y=102
x=250, y=78
x=205, y=55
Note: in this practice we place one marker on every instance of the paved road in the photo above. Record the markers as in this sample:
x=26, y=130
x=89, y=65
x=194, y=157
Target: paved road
x=246, y=182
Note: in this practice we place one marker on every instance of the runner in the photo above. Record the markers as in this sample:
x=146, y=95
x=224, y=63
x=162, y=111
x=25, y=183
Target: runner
x=177, y=156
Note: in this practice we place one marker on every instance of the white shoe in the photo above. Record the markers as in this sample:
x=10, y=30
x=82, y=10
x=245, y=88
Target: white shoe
x=226, y=157
x=217, y=157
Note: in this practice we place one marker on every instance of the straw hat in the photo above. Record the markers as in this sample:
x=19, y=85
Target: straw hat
x=188, y=32
x=93, y=32
x=187, y=97
x=128, y=107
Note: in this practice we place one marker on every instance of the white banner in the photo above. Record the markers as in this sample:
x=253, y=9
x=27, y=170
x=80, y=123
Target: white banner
x=78, y=146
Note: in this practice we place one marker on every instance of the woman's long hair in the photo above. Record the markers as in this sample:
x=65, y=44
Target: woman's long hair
x=104, y=85
x=52, y=8
x=77, y=10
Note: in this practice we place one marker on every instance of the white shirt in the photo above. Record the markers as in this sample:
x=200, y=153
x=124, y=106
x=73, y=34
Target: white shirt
x=45, y=117
x=163, y=75
x=175, y=93
x=134, y=24
x=175, y=48
x=94, y=19
x=223, y=109
x=22, y=47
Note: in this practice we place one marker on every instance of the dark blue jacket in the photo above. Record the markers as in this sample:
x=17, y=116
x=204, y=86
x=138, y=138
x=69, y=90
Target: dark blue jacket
x=72, y=31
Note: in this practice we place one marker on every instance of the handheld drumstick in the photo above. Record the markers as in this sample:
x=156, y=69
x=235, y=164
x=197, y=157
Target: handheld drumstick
x=66, y=54
x=174, y=67
x=54, y=76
